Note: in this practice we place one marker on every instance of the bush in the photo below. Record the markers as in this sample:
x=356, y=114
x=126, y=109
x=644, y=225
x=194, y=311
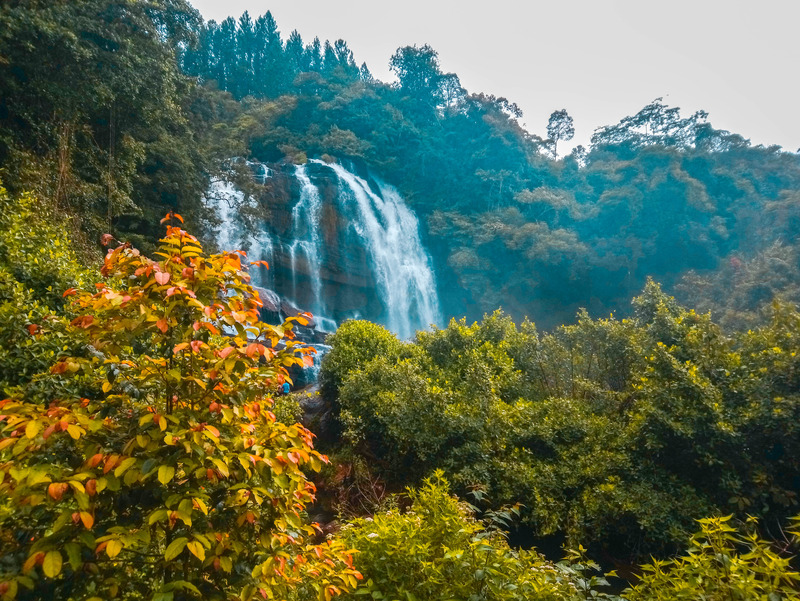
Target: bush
x=613, y=433
x=437, y=550
x=721, y=564
x=169, y=477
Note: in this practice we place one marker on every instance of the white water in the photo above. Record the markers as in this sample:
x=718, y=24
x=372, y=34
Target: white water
x=225, y=199
x=390, y=232
x=306, y=226
x=386, y=229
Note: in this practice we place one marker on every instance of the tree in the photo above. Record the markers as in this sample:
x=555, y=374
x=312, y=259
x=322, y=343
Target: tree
x=560, y=127
x=418, y=72
x=159, y=471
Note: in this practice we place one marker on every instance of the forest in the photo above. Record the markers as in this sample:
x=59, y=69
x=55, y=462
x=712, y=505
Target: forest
x=611, y=411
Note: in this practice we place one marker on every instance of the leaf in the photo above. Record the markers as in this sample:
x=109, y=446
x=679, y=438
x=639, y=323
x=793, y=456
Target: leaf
x=113, y=548
x=52, y=564
x=162, y=325
x=87, y=519
x=175, y=547
x=162, y=277
x=165, y=473
x=124, y=465
x=197, y=550
x=33, y=428
x=57, y=489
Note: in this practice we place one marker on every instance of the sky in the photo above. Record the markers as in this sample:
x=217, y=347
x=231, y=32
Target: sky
x=600, y=59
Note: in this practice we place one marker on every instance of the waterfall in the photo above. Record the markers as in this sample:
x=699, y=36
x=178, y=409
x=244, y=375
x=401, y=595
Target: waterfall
x=390, y=232
x=306, y=226
x=225, y=199
x=368, y=219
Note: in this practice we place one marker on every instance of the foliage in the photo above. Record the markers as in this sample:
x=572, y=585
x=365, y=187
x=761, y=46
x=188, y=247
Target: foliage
x=436, y=549
x=717, y=568
x=153, y=466
x=95, y=113
x=612, y=433
x=354, y=344
x=32, y=276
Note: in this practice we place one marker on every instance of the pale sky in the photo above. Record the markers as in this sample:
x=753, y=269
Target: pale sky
x=599, y=59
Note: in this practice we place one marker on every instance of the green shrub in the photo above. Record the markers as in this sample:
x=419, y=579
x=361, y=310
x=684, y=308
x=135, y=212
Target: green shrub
x=436, y=550
x=720, y=565
x=616, y=434
x=354, y=344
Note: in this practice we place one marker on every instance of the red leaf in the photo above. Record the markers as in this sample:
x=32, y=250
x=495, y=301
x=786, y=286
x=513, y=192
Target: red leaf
x=69, y=292
x=162, y=277
x=32, y=329
x=225, y=352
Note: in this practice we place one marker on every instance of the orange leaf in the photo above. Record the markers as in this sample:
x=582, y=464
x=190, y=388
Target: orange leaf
x=308, y=361
x=95, y=460
x=162, y=325
x=87, y=519
x=106, y=239
x=162, y=277
x=225, y=352
x=69, y=292
x=57, y=489
x=32, y=329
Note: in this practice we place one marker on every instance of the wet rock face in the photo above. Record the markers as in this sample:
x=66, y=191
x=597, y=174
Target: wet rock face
x=347, y=282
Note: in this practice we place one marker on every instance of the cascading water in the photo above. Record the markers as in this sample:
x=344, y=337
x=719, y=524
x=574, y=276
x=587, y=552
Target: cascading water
x=371, y=251
x=390, y=232
x=306, y=227
x=224, y=197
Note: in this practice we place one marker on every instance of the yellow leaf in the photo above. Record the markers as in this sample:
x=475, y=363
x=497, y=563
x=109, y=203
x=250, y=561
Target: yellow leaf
x=107, y=386
x=52, y=564
x=113, y=548
x=174, y=549
x=201, y=505
x=123, y=467
x=197, y=550
x=32, y=429
x=165, y=473
x=74, y=431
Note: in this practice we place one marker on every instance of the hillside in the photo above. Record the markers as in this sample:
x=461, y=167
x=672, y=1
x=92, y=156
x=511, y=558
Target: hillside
x=548, y=376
